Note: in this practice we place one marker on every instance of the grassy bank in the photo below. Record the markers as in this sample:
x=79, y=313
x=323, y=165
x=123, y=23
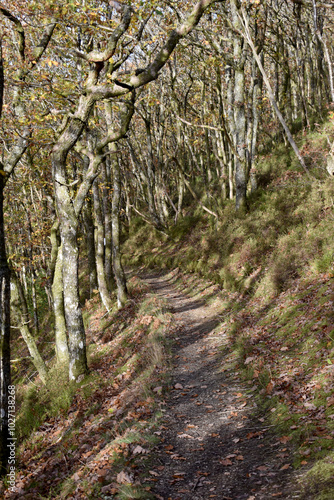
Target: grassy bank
x=92, y=440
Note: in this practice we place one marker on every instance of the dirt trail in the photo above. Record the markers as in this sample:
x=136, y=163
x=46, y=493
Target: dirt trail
x=212, y=445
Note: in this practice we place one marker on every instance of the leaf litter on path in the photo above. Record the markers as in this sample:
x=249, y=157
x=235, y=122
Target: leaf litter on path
x=218, y=423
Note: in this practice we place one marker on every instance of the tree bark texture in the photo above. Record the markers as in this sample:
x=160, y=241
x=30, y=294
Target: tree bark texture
x=122, y=292
x=99, y=253
x=59, y=312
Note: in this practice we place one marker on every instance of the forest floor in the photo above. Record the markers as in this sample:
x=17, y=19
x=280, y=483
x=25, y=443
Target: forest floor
x=214, y=442
x=168, y=411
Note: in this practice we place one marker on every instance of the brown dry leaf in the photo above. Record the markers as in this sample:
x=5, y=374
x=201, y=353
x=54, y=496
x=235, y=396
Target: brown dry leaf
x=123, y=477
x=285, y=439
x=239, y=457
x=286, y=466
x=146, y=320
x=178, y=386
x=233, y=414
x=183, y=435
x=226, y=462
x=269, y=388
x=262, y=468
x=330, y=401
x=251, y=435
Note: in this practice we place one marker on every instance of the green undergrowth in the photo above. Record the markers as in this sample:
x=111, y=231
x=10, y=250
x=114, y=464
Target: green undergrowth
x=272, y=272
x=92, y=439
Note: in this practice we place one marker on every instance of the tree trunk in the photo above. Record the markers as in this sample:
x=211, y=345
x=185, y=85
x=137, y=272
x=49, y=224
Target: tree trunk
x=90, y=245
x=68, y=234
x=271, y=95
x=122, y=292
x=20, y=306
x=59, y=313
x=107, y=223
x=99, y=253
x=240, y=162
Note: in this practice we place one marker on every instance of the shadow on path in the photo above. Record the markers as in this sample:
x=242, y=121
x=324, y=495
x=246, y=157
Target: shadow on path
x=212, y=443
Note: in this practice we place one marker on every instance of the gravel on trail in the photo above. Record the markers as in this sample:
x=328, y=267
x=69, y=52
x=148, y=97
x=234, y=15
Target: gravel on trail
x=214, y=444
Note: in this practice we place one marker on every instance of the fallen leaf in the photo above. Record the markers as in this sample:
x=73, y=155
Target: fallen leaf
x=310, y=406
x=305, y=453
x=269, y=388
x=153, y=473
x=178, y=386
x=138, y=449
x=285, y=439
x=225, y=462
x=286, y=466
x=123, y=477
x=183, y=435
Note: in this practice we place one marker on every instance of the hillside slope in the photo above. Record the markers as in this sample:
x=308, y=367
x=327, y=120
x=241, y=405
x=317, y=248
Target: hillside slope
x=274, y=270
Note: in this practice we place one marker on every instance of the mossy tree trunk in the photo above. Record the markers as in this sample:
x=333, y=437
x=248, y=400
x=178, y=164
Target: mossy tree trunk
x=90, y=245
x=106, y=196
x=99, y=253
x=19, y=304
x=122, y=292
x=68, y=233
x=240, y=161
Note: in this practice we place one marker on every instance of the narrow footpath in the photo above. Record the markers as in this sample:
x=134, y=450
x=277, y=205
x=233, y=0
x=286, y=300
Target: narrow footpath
x=214, y=444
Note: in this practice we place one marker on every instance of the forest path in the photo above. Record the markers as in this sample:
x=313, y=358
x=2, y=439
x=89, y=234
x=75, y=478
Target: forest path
x=212, y=445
